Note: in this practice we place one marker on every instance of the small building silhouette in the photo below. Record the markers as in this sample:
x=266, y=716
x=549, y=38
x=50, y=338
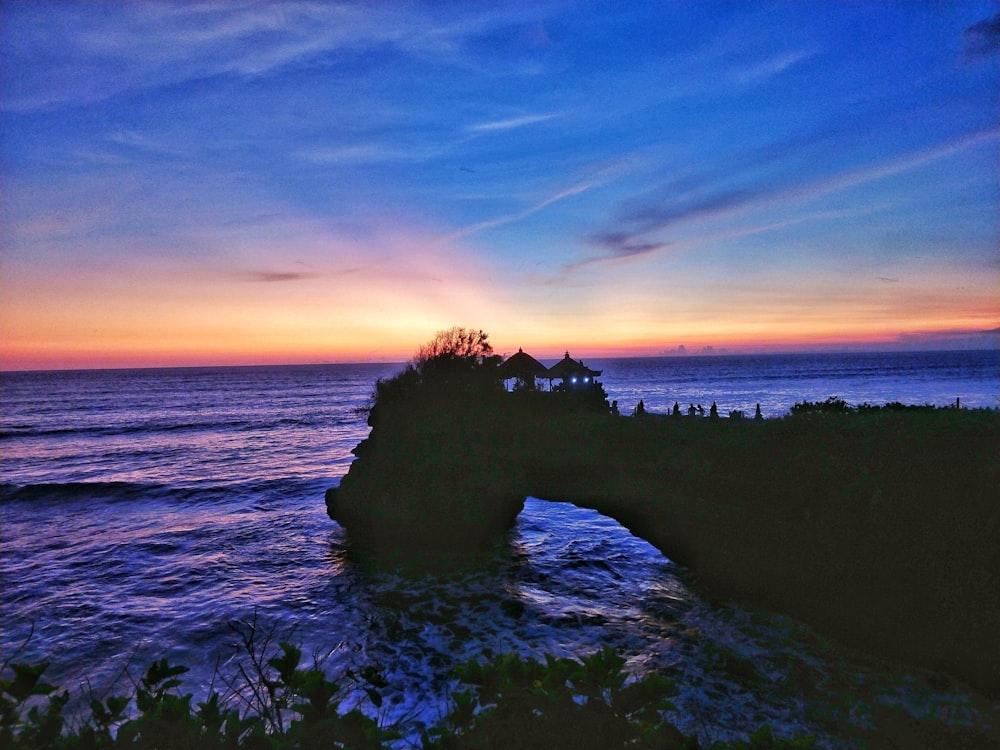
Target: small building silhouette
x=524, y=368
x=574, y=374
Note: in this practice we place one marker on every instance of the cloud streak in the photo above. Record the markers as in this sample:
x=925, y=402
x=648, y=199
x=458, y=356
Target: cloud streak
x=362, y=153
x=509, y=124
x=611, y=243
x=272, y=277
x=138, y=46
x=628, y=236
x=771, y=67
x=482, y=226
x=982, y=39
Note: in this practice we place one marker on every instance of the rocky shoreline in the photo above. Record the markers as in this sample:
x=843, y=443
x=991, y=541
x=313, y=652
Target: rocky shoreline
x=880, y=528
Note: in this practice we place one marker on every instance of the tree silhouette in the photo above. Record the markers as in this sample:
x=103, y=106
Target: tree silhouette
x=455, y=349
x=457, y=360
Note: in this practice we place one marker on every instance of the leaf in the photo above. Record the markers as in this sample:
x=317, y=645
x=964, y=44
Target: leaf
x=116, y=704
x=209, y=711
x=287, y=663
x=373, y=676
x=158, y=672
x=26, y=682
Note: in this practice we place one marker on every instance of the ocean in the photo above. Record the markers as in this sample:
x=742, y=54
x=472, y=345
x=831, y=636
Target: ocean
x=156, y=512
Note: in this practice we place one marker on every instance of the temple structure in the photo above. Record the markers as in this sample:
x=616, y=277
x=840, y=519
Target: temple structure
x=574, y=374
x=525, y=370
x=522, y=368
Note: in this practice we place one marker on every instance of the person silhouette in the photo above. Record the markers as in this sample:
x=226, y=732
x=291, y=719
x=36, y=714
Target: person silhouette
x=640, y=408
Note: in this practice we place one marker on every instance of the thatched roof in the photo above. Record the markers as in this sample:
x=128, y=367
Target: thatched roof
x=569, y=368
x=522, y=365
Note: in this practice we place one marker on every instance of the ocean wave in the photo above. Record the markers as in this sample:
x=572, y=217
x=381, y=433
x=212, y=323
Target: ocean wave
x=241, y=425
x=270, y=489
x=55, y=491
x=284, y=422
x=21, y=431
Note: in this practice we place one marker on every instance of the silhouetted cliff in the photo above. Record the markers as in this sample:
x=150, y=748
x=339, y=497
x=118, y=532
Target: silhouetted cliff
x=880, y=526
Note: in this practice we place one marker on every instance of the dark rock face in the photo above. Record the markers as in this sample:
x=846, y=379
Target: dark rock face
x=433, y=475
x=882, y=529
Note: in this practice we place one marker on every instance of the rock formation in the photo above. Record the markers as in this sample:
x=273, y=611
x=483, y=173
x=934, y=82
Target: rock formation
x=882, y=527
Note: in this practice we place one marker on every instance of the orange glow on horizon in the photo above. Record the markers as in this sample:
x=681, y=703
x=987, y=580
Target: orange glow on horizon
x=397, y=347
x=344, y=309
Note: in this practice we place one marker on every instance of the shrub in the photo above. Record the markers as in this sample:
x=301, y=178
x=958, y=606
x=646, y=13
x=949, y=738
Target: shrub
x=455, y=362
x=273, y=702
x=278, y=703
x=524, y=703
x=832, y=404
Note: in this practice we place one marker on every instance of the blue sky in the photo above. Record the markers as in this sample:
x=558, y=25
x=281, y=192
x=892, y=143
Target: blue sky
x=238, y=182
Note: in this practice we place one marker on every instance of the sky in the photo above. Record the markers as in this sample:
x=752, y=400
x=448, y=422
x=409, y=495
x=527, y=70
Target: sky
x=216, y=183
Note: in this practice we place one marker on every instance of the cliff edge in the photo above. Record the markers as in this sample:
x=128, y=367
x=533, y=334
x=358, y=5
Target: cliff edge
x=880, y=527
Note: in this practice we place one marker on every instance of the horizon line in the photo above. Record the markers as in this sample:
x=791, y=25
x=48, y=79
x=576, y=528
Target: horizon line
x=706, y=352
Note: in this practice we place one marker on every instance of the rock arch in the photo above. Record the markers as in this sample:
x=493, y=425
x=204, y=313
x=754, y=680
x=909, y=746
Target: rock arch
x=859, y=524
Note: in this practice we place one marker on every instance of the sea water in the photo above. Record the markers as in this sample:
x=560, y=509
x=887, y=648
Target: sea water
x=152, y=513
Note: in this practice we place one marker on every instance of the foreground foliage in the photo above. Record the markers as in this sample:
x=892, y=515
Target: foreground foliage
x=506, y=702
x=272, y=702
x=512, y=702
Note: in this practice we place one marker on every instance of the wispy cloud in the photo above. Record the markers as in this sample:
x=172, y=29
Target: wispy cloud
x=509, y=124
x=576, y=189
x=624, y=246
x=362, y=153
x=133, y=139
x=896, y=166
x=627, y=248
x=273, y=276
x=771, y=67
x=617, y=249
x=982, y=39
x=137, y=46
x=270, y=277
x=628, y=235
x=597, y=175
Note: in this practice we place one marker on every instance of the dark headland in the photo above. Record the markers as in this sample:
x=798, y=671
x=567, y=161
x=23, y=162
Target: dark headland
x=877, y=525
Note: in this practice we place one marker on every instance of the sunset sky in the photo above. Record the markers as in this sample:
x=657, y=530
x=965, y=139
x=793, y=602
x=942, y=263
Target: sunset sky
x=239, y=183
